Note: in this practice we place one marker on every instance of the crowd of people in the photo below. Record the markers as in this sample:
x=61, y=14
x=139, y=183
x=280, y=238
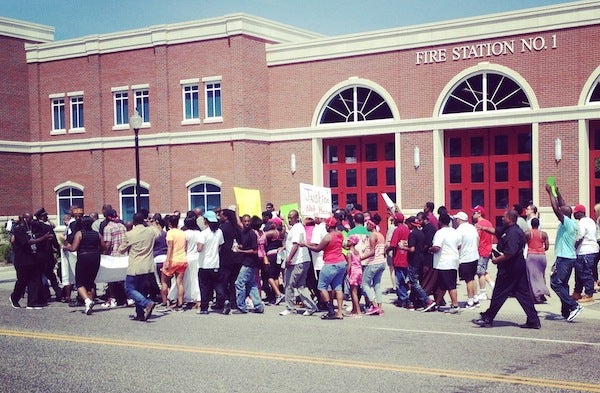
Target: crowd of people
x=219, y=261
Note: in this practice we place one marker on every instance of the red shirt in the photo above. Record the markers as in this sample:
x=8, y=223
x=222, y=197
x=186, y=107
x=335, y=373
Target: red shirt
x=400, y=235
x=485, y=238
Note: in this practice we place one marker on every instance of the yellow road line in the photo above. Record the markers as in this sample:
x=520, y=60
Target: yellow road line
x=399, y=368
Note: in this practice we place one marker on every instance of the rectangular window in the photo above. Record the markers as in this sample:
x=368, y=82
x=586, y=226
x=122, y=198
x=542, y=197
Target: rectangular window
x=213, y=99
x=190, y=102
x=142, y=104
x=58, y=114
x=121, y=107
x=77, y=112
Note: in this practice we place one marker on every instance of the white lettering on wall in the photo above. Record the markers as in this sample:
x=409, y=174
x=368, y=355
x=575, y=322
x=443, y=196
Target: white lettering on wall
x=486, y=49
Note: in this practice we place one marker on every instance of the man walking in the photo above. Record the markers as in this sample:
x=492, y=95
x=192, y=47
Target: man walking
x=468, y=256
x=139, y=242
x=512, y=275
x=564, y=249
x=587, y=252
x=297, y=265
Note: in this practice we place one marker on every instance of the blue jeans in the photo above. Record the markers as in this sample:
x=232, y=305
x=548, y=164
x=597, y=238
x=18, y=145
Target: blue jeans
x=415, y=285
x=371, y=281
x=401, y=285
x=133, y=286
x=584, y=278
x=246, y=285
x=332, y=276
x=559, y=282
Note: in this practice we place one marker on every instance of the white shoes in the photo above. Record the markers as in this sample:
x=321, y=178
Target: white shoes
x=285, y=312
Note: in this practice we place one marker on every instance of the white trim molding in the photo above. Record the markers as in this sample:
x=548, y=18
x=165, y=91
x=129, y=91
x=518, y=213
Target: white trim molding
x=203, y=179
x=68, y=184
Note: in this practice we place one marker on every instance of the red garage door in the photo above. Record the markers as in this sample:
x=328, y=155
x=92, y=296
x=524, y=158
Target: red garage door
x=488, y=167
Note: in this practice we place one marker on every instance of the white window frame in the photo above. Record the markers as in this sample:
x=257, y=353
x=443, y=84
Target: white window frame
x=56, y=102
x=209, y=87
x=118, y=98
x=206, y=180
x=189, y=87
x=76, y=107
x=141, y=92
x=70, y=186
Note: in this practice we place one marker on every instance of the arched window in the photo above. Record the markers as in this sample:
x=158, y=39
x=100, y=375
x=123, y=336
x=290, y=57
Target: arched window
x=128, y=201
x=354, y=104
x=486, y=91
x=206, y=196
x=67, y=197
x=595, y=96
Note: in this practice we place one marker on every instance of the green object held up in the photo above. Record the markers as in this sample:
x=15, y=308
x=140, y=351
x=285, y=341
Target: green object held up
x=552, y=183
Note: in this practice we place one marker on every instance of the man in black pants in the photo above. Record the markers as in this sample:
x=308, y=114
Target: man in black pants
x=29, y=271
x=512, y=275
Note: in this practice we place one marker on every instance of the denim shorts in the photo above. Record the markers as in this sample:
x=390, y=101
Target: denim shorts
x=332, y=276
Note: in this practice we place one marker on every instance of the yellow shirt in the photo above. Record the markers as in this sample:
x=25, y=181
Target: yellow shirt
x=176, y=240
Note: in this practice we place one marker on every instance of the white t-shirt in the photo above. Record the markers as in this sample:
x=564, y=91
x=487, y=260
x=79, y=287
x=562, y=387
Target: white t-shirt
x=587, y=232
x=297, y=234
x=191, y=236
x=209, y=256
x=318, y=234
x=448, y=240
x=469, y=242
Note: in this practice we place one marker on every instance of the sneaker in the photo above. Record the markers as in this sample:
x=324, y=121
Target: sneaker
x=162, y=308
x=482, y=297
x=452, y=310
x=34, y=307
x=308, y=313
x=226, y=307
x=110, y=303
x=409, y=306
x=285, y=312
x=239, y=312
x=430, y=304
x=88, y=307
x=471, y=304
x=13, y=303
x=202, y=312
x=148, y=310
x=178, y=308
x=279, y=299
x=258, y=310
x=373, y=310
x=574, y=313
x=130, y=302
x=585, y=299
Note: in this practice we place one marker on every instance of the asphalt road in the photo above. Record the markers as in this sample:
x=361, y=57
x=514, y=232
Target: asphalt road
x=61, y=349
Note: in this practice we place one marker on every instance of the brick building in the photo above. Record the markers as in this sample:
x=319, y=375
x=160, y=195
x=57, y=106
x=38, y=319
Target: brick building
x=472, y=111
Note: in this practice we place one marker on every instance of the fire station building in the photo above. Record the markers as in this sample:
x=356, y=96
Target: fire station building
x=475, y=111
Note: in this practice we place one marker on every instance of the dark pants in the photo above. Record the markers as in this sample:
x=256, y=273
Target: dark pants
x=559, y=282
x=227, y=275
x=584, y=278
x=210, y=280
x=28, y=278
x=512, y=281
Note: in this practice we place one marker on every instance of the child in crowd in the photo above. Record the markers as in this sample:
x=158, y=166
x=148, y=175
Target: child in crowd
x=354, y=274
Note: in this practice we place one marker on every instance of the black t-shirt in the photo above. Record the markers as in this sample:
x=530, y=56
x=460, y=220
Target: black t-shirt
x=249, y=241
x=24, y=252
x=416, y=239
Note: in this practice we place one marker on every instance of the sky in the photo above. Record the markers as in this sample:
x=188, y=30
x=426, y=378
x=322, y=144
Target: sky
x=78, y=18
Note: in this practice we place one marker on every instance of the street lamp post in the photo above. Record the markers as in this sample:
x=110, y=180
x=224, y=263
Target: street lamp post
x=135, y=122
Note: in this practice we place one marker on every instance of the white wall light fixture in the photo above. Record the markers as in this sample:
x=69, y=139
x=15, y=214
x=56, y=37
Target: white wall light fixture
x=557, y=149
x=416, y=157
x=293, y=163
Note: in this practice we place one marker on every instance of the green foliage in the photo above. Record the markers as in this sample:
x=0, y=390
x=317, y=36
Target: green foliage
x=5, y=246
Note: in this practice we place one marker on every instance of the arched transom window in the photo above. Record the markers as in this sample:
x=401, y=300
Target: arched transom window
x=353, y=104
x=595, y=96
x=205, y=196
x=487, y=91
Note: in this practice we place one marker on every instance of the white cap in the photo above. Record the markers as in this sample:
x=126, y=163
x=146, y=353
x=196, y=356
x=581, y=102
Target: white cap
x=461, y=216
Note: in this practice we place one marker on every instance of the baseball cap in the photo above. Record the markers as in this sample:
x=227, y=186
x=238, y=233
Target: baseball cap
x=398, y=217
x=331, y=222
x=211, y=216
x=461, y=216
x=479, y=209
x=579, y=209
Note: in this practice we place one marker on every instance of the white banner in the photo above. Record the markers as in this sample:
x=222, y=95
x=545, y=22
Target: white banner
x=315, y=201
